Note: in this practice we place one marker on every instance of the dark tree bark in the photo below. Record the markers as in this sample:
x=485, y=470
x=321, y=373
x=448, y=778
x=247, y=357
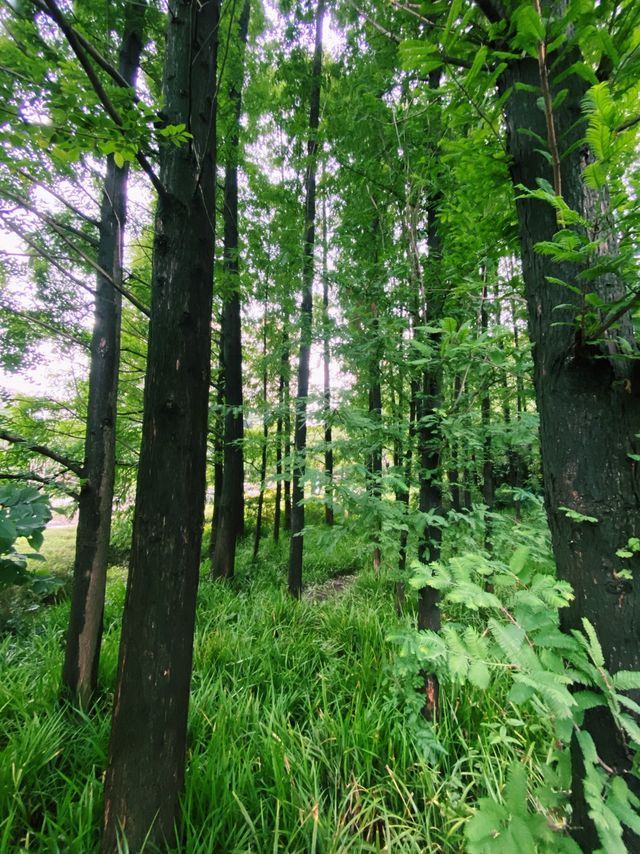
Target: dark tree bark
x=375, y=413
x=82, y=649
x=286, y=427
x=146, y=764
x=488, y=485
x=587, y=397
x=404, y=493
x=279, y=447
x=455, y=487
x=430, y=440
x=218, y=450
x=326, y=364
x=231, y=516
x=300, y=433
x=265, y=429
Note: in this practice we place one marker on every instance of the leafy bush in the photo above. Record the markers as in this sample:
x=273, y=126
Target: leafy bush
x=504, y=625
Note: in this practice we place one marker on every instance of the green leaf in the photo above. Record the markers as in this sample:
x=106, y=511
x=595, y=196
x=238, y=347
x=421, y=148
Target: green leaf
x=509, y=638
x=627, y=680
x=595, y=650
x=577, y=517
x=479, y=675
x=519, y=559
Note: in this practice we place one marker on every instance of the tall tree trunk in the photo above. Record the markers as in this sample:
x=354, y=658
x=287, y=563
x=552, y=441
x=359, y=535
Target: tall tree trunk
x=375, y=458
x=146, y=765
x=82, y=649
x=218, y=449
x=488, y=486
x=286, y=428
x=263, y=477
x=231, y=518
x=456, y=480
x=430, y=439
x=300, y=434
x=587, y=397
x=265, y=427
x=404, y=494
x=487, y=457
x=280, y=447
x=326, y=360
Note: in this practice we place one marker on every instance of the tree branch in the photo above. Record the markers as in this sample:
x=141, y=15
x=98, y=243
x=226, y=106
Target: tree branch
x=50, y=220
x=73, y=465
x=50, y=328
x=37, y=478
x=50, y=8
x=61, y=199
x=48, y=257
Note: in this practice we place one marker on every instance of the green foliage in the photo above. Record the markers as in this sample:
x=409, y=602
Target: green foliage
x=299, y=727
x=513, y=633
x=510, y=826
x=24, y=512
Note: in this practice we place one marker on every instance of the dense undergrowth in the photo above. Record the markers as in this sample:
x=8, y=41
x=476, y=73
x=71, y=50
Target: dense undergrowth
x=302, y=735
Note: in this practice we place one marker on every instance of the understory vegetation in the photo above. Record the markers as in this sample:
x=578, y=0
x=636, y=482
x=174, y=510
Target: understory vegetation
x=303, y=736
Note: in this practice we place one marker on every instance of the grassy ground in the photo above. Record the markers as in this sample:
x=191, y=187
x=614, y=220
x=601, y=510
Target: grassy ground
x=58, y=549
x=301, y=737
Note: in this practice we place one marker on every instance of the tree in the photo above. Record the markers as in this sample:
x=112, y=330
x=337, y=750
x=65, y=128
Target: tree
x=146, y=762
x=82, y=650
x=300, y=432
x=585, y=379
x=230, y=521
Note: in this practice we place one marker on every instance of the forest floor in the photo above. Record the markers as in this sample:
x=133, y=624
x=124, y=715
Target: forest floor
x=303, y=732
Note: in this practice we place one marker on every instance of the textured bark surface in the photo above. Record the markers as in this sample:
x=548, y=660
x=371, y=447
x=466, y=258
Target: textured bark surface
x=589, y=410
x=326, y=370
x=375, y=413
x=300, y=430
x=265, y=427
x=279, y=455
x=146, y=764
x=230, y=521
x=82, y=649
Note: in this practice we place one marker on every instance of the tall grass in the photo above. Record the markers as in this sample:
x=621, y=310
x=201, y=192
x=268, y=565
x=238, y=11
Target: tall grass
x=299, y=738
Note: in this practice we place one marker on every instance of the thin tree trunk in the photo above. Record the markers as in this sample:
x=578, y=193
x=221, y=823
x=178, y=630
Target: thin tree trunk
x=430, y=441
x=403, y=496
x=231, y=518
x=280, y=461
x=265, y=427
x=488, y=486
x=326, y=358
x=455, y=484
x=263, y=477
x=147, y=750
x=286, y=426
x=278, y=500
x=82, y=649
x=375, y=459
x=218, y=449
x=297, y=506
